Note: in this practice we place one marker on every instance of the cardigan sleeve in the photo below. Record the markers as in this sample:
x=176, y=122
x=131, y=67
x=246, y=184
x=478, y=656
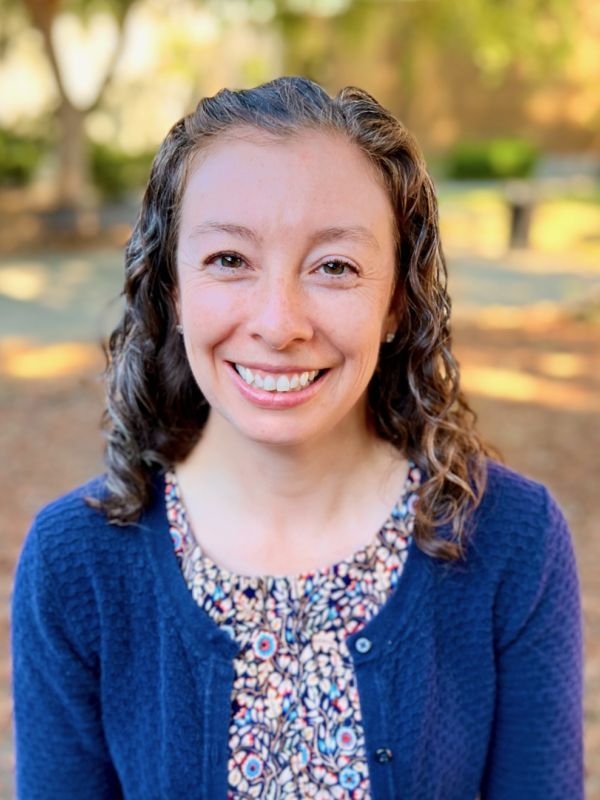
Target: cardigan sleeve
x=61, y=753
x=536, y=746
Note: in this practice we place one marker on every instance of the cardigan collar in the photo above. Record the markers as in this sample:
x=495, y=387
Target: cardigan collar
x=206, y=639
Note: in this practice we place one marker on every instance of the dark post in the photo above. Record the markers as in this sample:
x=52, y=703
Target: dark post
x=520, y=199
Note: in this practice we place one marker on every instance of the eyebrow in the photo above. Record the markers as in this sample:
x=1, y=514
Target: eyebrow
x=356, y=233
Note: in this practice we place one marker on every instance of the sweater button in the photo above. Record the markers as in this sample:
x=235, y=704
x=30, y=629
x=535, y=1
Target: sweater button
x=383, y=755
x=363, y=645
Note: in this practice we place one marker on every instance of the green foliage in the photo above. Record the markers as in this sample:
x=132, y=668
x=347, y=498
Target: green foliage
x=115, y=173
x=84, y=8
x=492, y=159
x=19, y=157
x=535, y=36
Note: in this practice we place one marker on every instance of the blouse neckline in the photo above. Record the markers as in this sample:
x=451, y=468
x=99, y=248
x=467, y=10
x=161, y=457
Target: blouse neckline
x=205, y=640
x=395, y=533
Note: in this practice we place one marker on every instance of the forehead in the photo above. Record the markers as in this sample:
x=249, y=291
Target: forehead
x=310, y=178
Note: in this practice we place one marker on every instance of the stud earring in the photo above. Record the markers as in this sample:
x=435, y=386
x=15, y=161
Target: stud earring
x=179, y=328
x=389, y=337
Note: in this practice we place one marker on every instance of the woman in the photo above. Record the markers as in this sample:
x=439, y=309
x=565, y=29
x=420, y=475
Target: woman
x=302, y=575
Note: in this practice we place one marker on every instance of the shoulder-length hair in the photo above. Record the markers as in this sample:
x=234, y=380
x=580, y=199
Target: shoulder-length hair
x=155, y=411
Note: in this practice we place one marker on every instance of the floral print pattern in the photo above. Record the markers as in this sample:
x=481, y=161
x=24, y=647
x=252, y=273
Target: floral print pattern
x=296, y=727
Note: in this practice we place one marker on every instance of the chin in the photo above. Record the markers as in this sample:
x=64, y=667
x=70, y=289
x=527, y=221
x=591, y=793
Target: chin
x=295, y=433
x=278, y=438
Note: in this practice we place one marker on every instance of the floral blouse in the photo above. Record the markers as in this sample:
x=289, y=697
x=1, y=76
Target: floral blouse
x=296, y=727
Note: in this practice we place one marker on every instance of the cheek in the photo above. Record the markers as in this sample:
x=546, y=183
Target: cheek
x=208, y=312
x=354, y=324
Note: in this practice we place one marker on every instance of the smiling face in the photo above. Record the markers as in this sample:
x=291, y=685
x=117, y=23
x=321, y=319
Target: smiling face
x=285, y=264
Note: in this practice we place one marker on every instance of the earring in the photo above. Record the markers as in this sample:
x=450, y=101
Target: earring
x=389, y=337
x=179, y=328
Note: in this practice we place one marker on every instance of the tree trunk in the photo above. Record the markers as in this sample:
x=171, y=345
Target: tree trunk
x=74, y=177
x=74, y=191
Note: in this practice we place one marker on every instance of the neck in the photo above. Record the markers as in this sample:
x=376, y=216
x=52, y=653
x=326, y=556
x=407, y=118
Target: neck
x=310, y=480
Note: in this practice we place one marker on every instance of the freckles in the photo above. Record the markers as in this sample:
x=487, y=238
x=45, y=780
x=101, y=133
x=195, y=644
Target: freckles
x=209, y=299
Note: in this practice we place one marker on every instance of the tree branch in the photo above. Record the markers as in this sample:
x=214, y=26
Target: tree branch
x=110, y=71
x=43, y=14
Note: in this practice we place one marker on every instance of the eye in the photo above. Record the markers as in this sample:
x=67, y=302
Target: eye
x=226, y=261
x=337, y=268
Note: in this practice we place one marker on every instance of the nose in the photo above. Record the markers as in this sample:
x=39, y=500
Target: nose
x=280, y=312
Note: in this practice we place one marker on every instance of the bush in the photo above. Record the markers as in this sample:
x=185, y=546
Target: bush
x=492, y=159
x=115, y=173
x=19, y=157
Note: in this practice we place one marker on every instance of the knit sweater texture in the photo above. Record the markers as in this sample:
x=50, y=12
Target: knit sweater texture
x=469, y=677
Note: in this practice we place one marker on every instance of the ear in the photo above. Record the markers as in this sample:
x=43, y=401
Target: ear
x=396, y=311
x=390, y=326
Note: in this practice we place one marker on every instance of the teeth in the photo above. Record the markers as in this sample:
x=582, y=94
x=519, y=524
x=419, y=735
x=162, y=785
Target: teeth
x=277, y=383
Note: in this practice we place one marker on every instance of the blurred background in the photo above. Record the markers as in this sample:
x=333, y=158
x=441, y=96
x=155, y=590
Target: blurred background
x=505, y=100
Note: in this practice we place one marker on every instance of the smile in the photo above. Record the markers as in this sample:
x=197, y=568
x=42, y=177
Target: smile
x=277, y=382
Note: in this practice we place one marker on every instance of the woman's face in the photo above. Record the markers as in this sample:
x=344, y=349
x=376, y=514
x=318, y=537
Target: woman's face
x=285, y=275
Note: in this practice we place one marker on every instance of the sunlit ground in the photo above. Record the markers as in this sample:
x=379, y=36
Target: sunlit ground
x=556, y=374
x=24, y=360
x=518, y=386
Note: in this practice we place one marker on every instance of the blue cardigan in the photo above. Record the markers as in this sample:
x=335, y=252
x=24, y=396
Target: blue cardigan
x=470, y=677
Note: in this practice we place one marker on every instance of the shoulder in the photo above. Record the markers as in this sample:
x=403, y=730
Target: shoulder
x=519, y=534
x=522, y=547
x=514, y=505
x=53, y=588
x=509, y=493
x=69, y=525
x=73, y=507
x=75, y=566
x=71, y=544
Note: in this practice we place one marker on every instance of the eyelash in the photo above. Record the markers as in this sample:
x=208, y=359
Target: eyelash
x=338, y=262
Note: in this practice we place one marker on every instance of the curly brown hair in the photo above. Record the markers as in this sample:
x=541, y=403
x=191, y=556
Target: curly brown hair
x=155, y=410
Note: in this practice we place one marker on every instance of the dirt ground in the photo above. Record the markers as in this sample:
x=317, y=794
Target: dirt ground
x=533, y=381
